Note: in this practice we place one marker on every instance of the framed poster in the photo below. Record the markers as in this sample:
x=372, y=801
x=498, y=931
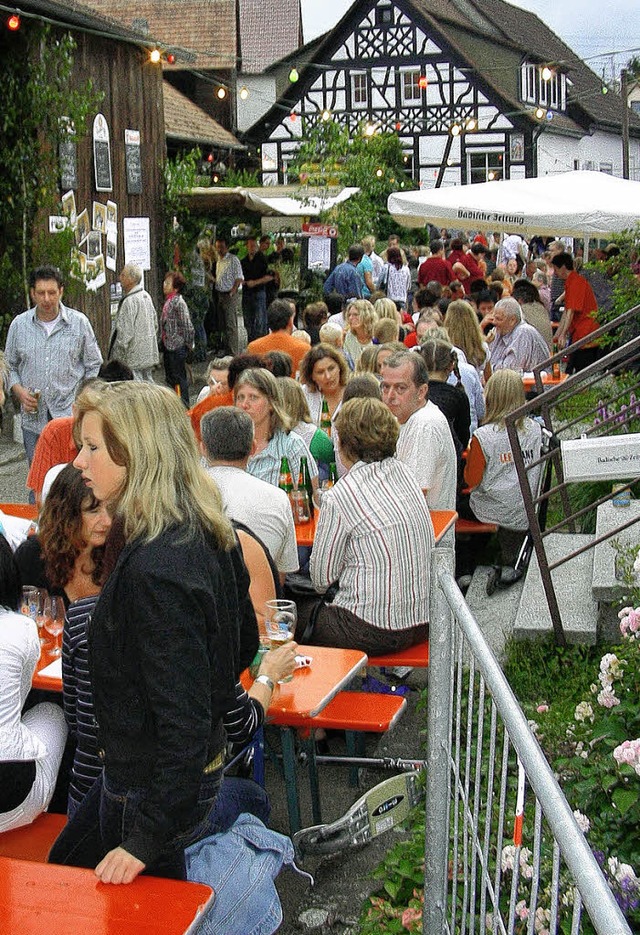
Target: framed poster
x=137, y=241
x=102, y=155
x=133, y=161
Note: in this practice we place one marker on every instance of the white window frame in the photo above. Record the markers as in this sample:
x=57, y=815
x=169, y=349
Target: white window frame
x=486, y=153
x=529, y=82
x=359, y=90
x=405, y=75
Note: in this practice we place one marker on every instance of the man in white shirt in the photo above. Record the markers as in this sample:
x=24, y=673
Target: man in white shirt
x=516, y=345
x=425, y=443
x=227, y=444
x=229, y=278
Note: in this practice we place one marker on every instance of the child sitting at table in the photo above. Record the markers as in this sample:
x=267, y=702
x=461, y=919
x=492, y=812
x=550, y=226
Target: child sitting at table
x=31, y=745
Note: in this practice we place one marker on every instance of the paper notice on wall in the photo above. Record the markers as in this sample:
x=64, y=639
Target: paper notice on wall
x=112, y=251
x=319, y=253
x=137, y=241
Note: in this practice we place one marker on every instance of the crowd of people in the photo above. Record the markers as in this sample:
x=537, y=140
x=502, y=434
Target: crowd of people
x=389, y=395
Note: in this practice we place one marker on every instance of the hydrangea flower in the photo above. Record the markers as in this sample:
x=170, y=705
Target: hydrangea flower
x=508, y=857
x=583, y=712
x=582, y=821
x=607, y=698
x=629, y=752
x=630, y=622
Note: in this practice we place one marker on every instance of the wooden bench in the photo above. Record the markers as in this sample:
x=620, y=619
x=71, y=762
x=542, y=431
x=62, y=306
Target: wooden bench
x=472, y=527
x=32, y=842
x=416, y=656
x=355, y=713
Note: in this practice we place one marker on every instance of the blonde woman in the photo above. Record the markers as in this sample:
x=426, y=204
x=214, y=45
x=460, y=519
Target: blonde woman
x=461, y=323
x=361, y=317
x=387, y=308
x=490, y=471
x=172, y=630
x=258, y=393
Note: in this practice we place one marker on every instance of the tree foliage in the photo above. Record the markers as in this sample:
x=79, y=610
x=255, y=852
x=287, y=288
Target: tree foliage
x=37, y=91
x=331, y=156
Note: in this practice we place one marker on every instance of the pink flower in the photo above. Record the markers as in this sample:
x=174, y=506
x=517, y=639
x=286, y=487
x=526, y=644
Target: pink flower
x=542, y=708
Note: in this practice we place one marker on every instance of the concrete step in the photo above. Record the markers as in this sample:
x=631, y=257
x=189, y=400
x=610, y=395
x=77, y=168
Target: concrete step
x=572, y=583
x=495, y=614
x=606, y=587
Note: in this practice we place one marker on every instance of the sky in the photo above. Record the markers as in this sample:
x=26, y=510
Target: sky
x=589, y=27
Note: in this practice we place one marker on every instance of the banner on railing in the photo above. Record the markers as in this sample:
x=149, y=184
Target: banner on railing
x=613, y=458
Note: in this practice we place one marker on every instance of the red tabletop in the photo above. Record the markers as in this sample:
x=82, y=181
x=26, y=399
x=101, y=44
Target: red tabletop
x=48, y=899
x=548, y=379
x=313, y=687
x=442, y=521
x=47, y=683
x=306, y=532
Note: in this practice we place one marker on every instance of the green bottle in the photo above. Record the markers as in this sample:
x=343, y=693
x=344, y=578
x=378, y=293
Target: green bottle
x=325, y=418
x=304, y=482
x=285, y=481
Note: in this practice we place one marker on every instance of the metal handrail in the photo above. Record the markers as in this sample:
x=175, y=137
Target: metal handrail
x=449, y=610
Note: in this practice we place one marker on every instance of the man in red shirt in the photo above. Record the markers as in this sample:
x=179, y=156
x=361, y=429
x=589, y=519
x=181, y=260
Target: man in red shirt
x=464, y=263
x=435, y=268
x=580, y=311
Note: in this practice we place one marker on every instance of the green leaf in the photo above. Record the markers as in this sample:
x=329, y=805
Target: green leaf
x=624, y=798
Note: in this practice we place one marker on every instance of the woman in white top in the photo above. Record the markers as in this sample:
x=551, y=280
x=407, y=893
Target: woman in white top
x=464, y=332
x=31, y=745
x=490, y=471
x=323, y=375
x=397, y=277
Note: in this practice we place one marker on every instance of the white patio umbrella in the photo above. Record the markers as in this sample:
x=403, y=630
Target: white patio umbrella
x=571, y=204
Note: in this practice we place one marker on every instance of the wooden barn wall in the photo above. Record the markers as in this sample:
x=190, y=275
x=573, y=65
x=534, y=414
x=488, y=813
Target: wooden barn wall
x=132, y=89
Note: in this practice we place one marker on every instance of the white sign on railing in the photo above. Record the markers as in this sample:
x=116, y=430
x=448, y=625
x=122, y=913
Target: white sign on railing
x=613, y=458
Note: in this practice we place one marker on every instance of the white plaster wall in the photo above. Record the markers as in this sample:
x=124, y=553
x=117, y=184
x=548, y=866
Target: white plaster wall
x=559, y=153
x=262, y=94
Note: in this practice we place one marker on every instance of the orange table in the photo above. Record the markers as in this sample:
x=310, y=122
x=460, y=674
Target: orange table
x=310, y=690
x=548, y=379
x=47, y=899
x=442, y=521
x=46, y=683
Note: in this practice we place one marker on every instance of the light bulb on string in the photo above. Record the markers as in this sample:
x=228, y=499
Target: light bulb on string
x=546, y=73
x=293, y=75
x=13, y=23
x=244, y=92
x=221, y=93
x=155, y=56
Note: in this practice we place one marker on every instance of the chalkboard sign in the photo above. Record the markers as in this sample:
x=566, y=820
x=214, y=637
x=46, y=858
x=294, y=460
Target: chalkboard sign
x=102, y=154
x=67, y=154
x=133, y=162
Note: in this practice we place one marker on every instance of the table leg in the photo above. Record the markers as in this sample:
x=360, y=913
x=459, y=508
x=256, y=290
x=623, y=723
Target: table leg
x=290, y=778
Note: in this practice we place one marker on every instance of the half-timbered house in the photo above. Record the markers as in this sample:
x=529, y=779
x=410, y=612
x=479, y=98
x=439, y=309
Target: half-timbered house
x=475, y=91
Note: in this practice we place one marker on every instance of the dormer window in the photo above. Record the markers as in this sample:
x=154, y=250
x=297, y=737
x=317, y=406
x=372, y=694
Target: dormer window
x=384, y=15
x=543, y=86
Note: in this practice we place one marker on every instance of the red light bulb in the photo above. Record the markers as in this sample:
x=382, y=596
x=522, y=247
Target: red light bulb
x=13, y=22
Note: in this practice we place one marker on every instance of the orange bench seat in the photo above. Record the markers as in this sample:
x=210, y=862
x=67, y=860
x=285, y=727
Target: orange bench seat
x=471, y=527
x=32, y=842
x=416, y=656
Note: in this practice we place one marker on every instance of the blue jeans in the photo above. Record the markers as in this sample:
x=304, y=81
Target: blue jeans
x=254, y=312
x=108, y=813
x=30, y=440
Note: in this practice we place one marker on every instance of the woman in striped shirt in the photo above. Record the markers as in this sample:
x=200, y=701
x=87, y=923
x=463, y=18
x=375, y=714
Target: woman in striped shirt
x=373, y=540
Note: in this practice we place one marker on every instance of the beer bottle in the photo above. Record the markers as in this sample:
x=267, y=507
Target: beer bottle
x=300, y=501
x=325, y=418
x=304, y=482
x=284, y=480
x=333, y=475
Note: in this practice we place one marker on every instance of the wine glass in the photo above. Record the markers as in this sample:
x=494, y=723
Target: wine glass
x=54, y=621
x=43, y=594
x=280, y=620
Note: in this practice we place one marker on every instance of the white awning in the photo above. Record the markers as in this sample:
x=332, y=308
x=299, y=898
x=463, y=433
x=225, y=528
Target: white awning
x=571, y=204
x=285, y=201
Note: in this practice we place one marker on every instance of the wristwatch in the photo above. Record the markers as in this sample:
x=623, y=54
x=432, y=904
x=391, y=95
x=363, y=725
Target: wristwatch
x=265, y=680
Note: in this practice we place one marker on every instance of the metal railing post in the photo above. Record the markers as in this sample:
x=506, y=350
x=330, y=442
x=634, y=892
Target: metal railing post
x=438, y=780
